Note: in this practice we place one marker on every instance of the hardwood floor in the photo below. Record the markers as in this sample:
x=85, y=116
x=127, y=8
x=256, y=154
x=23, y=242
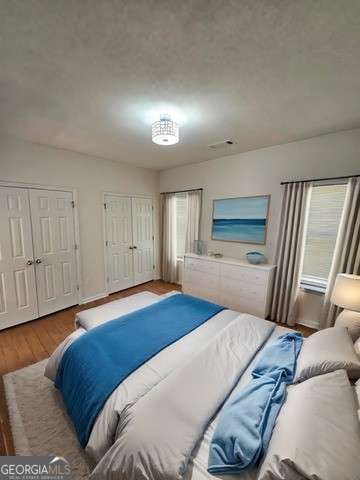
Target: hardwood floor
x=31, y=342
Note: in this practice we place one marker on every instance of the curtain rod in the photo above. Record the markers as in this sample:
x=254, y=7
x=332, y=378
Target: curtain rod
x=183, y=191
x=319, y=179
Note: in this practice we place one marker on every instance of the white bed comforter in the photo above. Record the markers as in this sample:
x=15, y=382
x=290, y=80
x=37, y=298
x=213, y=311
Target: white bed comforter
x=157, y=435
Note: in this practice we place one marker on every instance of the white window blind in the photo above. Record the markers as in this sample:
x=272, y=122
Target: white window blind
x=181, y=223
x=326, y=206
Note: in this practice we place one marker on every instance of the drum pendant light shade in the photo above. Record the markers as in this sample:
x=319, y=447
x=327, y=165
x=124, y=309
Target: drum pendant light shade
x=165, y=131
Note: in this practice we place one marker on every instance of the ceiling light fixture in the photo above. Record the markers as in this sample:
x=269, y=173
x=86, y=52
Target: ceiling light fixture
x=165, y=131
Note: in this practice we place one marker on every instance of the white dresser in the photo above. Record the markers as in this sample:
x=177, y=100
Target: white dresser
x=230, y=282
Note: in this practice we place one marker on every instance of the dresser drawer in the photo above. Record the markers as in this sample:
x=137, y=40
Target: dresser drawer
x=244, y=274
x=245, y=291
x=202, y=279
x=252, y=308
x=243, y=305
x=202, y=266
x=201, y=291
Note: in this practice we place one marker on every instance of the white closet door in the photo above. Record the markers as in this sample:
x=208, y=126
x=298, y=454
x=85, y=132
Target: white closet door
x=143, y=243
x=17, y=279
x=54, y=249
x=119, y=243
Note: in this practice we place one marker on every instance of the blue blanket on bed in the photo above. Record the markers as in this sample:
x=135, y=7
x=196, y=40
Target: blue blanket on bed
x=246, y=422
x=98, y=361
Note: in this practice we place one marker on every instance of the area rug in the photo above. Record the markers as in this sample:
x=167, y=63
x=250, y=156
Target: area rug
x=38, y=421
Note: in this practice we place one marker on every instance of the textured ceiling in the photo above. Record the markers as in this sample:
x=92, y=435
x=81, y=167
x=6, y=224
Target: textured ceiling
x=90, y=75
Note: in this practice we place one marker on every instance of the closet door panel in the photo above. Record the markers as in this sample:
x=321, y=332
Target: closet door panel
x=142, y=220
x=119, y=254
x=18, y=301
x=54, y=247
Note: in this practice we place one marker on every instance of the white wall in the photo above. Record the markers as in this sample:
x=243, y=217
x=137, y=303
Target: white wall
x=260, y=172
x=25, y=162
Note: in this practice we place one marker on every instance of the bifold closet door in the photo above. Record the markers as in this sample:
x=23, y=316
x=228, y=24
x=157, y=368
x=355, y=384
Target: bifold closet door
x=119, y=243
x=17, y=277
x=143, y=241
x=52, y=217
x=129, y=241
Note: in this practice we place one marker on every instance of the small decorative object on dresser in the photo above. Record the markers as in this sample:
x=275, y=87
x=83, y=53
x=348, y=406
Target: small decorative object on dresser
x=346, y=294
x=200, y=247
x=255, y=258
x=216, y=254
x=229, y=282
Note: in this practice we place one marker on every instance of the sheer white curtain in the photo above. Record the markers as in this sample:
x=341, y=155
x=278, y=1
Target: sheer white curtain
x=193, y=219
x=290, y=252
x=168, y=254
x=171, y=235
x=346, y=257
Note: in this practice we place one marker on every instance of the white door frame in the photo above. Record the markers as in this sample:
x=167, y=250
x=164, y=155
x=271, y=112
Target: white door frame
x=116, y=194
x=6, y=183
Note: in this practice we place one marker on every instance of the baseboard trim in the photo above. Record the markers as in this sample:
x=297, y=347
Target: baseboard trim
x=314, y=325
x=93, y=298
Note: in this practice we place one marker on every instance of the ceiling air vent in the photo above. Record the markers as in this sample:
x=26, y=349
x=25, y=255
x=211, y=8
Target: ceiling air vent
x=222, y=145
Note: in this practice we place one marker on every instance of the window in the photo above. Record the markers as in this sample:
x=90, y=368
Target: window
x=326, y=206
x=181, y=223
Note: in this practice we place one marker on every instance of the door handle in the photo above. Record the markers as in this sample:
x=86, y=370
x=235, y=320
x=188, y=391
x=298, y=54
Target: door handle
x=134, y=247
x=38, y=260
x=29, y=262
x=130, y=248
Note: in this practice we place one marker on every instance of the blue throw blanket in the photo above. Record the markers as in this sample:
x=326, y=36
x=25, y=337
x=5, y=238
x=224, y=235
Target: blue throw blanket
x=246, y=423
x=98, y=361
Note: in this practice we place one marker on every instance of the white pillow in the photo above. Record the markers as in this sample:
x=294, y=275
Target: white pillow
x=357, y=346
x=326, y=351
x=317, y=434
x=357, y=394
x=350, y=320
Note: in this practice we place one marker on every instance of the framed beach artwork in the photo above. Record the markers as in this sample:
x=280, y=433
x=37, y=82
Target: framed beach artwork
x=242, y=219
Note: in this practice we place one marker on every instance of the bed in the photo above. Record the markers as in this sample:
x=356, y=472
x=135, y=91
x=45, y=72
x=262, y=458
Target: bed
x=104, y=443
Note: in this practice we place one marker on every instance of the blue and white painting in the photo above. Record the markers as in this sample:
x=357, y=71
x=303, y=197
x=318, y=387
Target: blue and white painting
x=240, y=219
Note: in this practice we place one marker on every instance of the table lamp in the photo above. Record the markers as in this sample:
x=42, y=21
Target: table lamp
x=346, y=294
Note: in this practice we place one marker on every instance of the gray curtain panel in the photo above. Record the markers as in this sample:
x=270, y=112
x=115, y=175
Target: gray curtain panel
x=346, y=257
x=193, y=219
x=290, y=250
x=168, y=254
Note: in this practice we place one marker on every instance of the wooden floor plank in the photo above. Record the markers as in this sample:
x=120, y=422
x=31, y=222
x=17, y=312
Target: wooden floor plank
x=4, y=366
x=25, y=355
x=6, y=442
x=36, y=347
x=44, y=338
x=12, y=356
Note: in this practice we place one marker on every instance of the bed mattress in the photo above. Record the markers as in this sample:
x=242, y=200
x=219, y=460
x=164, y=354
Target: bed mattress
x=93, y=317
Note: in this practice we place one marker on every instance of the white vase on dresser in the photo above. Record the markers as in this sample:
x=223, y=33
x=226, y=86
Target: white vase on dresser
x=230, y=282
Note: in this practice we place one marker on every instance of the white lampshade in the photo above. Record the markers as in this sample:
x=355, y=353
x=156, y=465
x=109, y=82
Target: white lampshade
x=346, y=292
